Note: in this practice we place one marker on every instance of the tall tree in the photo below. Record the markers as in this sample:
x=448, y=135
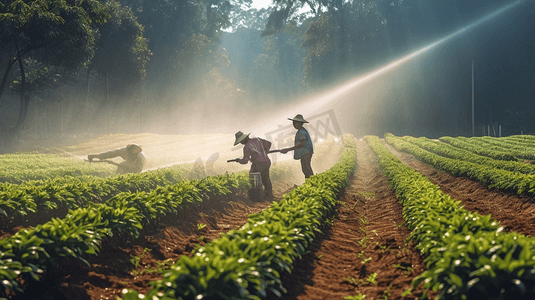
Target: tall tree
x=122, y=52
x=54, y=32
x=174, y=27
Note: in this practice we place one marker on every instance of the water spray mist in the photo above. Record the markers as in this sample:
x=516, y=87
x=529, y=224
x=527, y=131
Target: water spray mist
x=324, y=101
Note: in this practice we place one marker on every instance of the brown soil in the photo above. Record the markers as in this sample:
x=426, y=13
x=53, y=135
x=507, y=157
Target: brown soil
x=515, y=213
x=368, y=224
x=367, y=237
x=112, y=270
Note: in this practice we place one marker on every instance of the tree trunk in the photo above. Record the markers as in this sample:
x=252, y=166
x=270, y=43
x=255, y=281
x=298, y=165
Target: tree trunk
x=6, y=75
x=24, y=98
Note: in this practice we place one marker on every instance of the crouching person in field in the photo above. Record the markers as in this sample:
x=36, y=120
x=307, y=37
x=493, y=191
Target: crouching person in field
x=134, y=159
x=256, y=150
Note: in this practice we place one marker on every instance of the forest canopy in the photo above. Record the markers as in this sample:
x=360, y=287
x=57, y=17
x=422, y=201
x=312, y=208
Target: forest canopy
x=137, y=65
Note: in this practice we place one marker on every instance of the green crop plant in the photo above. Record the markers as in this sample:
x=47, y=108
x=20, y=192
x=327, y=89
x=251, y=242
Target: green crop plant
x=387, y=293
x=406, y=292
x=247, y=263
x=405, y=270
x=368, y=195
x=468, y=256
x=372, y=279
x=164, y=265
x=135, y=260
x=364, y=242
x=358, y=296
x=200, y=226
x=383, y=248
x=30, y=252
x=351, y=281
x=364, y=261
x=330, y=220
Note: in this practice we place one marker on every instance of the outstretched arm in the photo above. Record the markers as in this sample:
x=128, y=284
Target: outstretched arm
x=298, y=146
x=107, y=154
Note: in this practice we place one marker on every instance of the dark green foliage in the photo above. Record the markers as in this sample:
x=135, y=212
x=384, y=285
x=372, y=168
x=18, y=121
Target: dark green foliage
x=247, y=263
x=468, y=256
x=500, y=174
x=30, y=252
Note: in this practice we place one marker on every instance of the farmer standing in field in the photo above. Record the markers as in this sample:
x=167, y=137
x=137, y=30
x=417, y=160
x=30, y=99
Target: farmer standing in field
x=302, y=148
x=256, y=150
x=134, y=159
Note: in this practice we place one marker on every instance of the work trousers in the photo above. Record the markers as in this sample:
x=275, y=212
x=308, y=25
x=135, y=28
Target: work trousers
x=263, y=168
x=305, y=164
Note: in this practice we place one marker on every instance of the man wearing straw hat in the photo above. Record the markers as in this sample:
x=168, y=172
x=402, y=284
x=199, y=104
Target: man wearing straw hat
x=302, y=148
x=134, y=159
x=256, y=150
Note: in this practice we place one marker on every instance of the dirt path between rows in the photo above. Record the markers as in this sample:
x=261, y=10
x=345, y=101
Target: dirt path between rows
x=113, y=270
x=515, y=213
x=366, y=238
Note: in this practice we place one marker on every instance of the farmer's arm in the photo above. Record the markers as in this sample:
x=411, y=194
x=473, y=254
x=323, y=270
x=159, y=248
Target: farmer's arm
x=298, y=146
x=112, y=153
x=107, y=154
x=246, y=156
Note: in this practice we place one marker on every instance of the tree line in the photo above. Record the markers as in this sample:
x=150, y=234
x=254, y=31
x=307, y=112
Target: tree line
x=170, y=51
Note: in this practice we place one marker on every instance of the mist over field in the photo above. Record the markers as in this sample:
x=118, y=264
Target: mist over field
x=205, y=67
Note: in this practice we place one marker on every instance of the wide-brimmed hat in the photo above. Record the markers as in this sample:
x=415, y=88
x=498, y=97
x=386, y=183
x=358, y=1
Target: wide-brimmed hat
x=298, y=118
x=240, y=136
x=133, y=146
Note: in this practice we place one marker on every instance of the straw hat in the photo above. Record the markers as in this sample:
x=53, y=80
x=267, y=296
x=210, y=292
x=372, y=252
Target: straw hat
x=134, y=147
x=240, y=136
x=298, y=118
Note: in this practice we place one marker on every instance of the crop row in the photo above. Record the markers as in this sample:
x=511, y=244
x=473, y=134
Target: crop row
x=18, y=168
x=525, y=139
x=37, y=201
x=247, y=263
x=512, y=141
x=29, y=252
x=502, y=145
x=468, y=256
x=450, y=151
x=477, y=148
x=74, y=192
x=488, y=175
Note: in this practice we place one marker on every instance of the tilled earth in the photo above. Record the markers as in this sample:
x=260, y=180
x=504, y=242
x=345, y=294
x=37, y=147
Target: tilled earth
x=364, y=252
x=133, y=263
x=516, y=213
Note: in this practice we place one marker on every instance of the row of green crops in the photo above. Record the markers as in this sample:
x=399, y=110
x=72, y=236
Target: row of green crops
x=450, y=151
x=468, y=256
x=31, y=251
x=18, y=168
x=40, y=198
x=488, y=175
x=511, y=142
x=501, y=145
x=477, y=148
x=524, y=139
x=247, y=263
x=74, y=192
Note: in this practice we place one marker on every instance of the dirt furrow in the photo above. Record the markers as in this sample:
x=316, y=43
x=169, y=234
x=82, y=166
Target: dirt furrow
x=133, y=263
x=515, y=213
x=365, y=251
